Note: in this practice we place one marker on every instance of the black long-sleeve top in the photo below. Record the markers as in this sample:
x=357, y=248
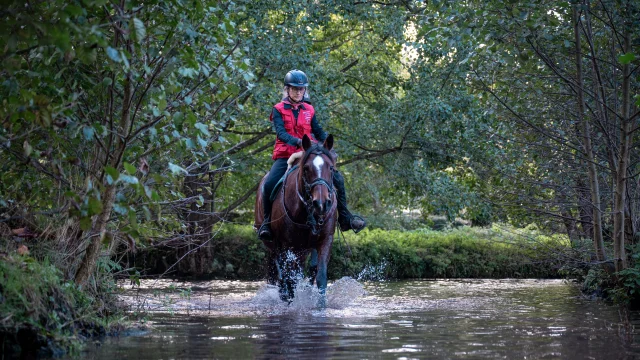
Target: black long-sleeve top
x=278, y=124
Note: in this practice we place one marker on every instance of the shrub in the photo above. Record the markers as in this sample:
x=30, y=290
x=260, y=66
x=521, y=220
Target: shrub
x=40, y=310
x=459, y=253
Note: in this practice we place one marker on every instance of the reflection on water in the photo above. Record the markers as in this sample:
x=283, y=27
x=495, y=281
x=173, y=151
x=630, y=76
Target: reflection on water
x=409, y=319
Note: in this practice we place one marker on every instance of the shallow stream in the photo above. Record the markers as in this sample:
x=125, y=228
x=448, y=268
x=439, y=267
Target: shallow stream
x=512, y=319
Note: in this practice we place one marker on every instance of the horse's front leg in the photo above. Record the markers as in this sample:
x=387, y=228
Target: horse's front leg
x=324, y=253
x=313, y=266
x=273, y=271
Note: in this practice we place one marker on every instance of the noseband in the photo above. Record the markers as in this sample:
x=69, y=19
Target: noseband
x=308, y=187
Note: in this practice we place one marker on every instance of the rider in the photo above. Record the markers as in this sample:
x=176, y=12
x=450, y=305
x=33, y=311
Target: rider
x=293, y=117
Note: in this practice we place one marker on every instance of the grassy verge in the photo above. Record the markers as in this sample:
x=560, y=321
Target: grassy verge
x=45, y=315
x=496, y=252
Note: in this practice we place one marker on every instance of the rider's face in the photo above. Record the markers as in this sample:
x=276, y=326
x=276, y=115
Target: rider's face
x=296, y=93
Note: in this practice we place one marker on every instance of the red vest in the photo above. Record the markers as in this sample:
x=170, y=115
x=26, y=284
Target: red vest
x=295, y=127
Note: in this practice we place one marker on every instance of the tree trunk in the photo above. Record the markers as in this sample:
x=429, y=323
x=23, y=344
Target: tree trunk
x=196, y=255
x=88, y=264
x=585, y=209
x=598, y=241
x=620, y=200
x=567, y=217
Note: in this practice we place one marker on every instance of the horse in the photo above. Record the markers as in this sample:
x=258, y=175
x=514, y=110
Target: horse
x=303, y=220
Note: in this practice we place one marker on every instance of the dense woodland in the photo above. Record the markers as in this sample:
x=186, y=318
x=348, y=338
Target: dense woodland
x=128, y=125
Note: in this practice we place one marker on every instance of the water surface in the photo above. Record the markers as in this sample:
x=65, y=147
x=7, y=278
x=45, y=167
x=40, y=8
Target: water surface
x=472, y=319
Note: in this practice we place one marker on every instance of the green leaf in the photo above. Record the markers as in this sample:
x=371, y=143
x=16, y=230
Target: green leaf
x=127, y=179
x=203, y=128
x=162, y=104
x=122, y=210
x=95, y=206
x=86, y=54
x=133, y=220
x=191, y=119
x=112, y=174
x=626, y=58
x=178, y=119
x=27, y=148
x=107, y=81
x=130, y=169
x=113, y=54
x=202, y=143
x=175, y=169
x=88, y=133
x=139, y=32
x=85, y=223
x=147, y=191
x=147, y=213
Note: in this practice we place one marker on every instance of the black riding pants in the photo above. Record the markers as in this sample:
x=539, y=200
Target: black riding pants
x=278, y=169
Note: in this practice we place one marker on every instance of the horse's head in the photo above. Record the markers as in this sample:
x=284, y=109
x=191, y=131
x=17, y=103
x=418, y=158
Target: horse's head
x=317, y=167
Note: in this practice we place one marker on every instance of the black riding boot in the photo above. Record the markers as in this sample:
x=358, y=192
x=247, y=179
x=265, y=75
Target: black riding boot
x=264, y=233
x=346, y=220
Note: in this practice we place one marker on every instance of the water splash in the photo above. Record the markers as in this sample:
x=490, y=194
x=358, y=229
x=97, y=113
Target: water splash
x=374, y=272
x=340, y=294
x=306, y=297
x=344, y=292
x=267, y=295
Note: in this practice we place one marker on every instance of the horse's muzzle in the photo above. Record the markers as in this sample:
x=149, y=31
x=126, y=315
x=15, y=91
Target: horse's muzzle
x=320, y=207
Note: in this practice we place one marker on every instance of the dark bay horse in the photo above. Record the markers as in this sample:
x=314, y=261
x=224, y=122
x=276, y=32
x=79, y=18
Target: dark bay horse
x=302, y=220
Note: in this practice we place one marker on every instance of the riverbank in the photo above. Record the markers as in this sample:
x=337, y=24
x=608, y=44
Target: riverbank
x=44, y=315
x=465, y=252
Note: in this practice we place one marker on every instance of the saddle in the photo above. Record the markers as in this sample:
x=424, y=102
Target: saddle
x=276, y=188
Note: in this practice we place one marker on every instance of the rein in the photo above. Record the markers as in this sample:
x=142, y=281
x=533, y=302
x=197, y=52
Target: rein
x=311, y=221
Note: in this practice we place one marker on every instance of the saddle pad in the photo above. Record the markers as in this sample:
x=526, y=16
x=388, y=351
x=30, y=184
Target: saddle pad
x=276, y=188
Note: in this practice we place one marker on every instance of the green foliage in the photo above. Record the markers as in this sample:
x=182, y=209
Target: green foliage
x=154, y=74
x=40, y=305
x=629, y=279
x=460, y=253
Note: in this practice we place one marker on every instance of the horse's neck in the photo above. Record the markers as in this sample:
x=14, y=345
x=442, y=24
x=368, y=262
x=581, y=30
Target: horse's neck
x=293, y=189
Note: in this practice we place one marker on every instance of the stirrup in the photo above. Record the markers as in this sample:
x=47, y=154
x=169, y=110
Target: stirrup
x=364, y=223
x=264, y=232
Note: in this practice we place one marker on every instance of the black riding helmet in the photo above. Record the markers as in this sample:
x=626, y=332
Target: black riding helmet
x=296, y=78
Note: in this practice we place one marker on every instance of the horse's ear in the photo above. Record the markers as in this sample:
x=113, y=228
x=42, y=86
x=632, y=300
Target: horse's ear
x=328, y=142
x=306, y=142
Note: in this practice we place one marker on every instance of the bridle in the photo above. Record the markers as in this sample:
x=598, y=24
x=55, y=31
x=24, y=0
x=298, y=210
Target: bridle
x=307, y=199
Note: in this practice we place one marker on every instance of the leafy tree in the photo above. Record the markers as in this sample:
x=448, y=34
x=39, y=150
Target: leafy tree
x=104, y=104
